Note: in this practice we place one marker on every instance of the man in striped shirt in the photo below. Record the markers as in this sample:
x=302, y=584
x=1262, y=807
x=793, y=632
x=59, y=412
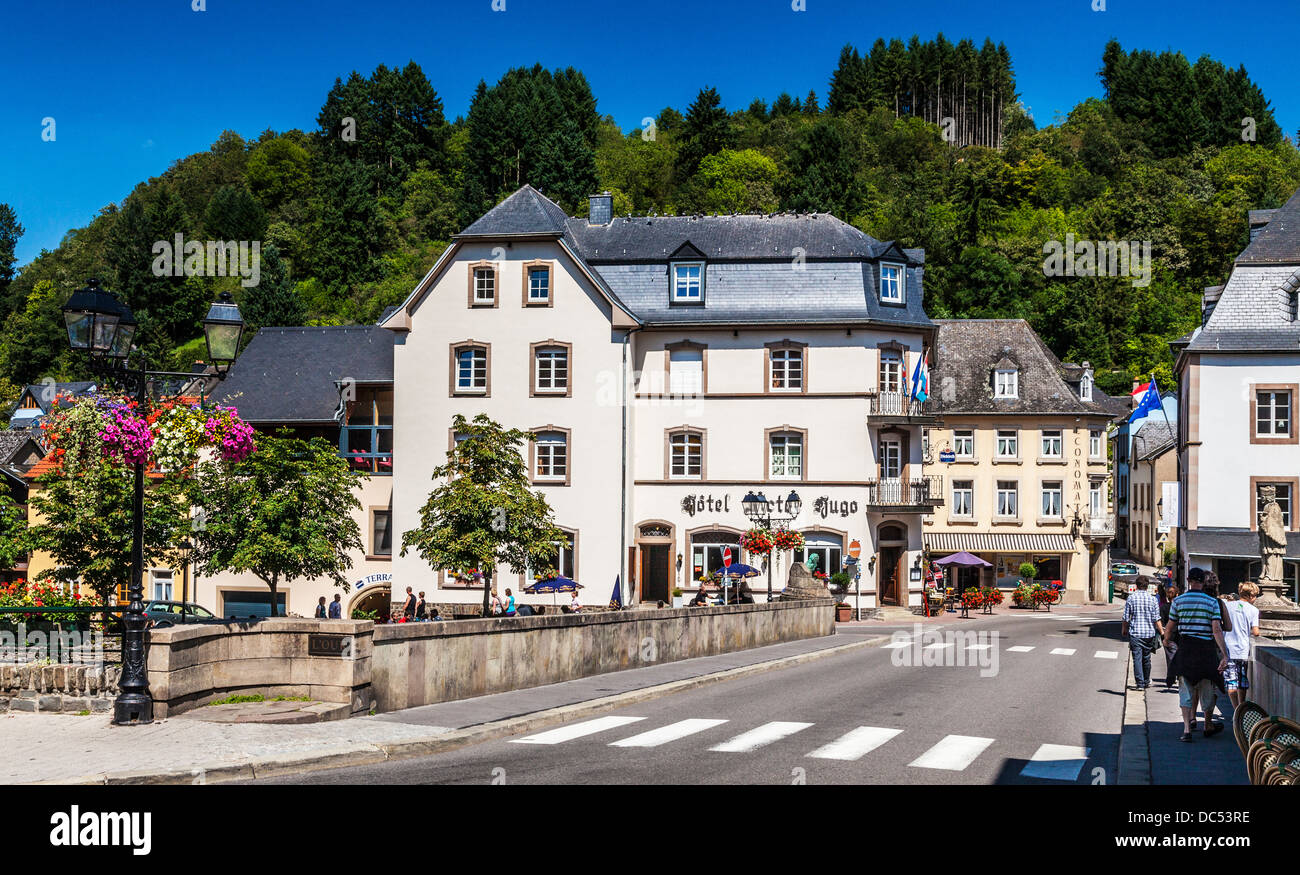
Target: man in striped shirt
x=1202, y=653
x=1142, y=626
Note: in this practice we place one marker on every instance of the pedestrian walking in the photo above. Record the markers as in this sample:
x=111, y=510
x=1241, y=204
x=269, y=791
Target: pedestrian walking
x=336, y=607
x=1245, y=625
x=420, y=607
x=1167, y=595
x=408, y=606
x=1143, y=628
x=1202, y=653
x=510, y=603
x=320, y=609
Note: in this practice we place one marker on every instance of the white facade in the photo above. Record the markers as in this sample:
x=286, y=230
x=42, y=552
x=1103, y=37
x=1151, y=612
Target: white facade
x=631, y=386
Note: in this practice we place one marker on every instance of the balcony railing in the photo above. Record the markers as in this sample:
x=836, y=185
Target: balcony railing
x=896, y=406
x=913, y=492
x=1098, y=526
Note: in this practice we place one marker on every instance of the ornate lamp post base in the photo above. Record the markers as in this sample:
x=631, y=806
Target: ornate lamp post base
x=132, y=708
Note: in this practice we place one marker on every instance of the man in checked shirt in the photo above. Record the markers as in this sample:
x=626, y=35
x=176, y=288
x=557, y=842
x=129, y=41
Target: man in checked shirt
x=1143, y=627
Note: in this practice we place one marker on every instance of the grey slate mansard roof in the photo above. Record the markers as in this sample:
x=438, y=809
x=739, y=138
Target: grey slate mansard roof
x=1256, y=310
x=287, y=375
x=968, y=350
x=1238, y=543
x=775, y=269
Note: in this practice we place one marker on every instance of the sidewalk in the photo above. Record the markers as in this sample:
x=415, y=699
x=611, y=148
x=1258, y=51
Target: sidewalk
x=187, y=749
x=1215, y=760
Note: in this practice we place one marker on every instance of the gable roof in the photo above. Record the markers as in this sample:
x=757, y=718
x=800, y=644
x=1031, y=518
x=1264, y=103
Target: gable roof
x=287, y=375
x=968, y=350
x=527, y=211
x=1153, y=439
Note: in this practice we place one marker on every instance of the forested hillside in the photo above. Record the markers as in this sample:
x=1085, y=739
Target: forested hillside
x=353, y=213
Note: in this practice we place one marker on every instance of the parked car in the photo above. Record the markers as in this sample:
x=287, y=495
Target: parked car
x=162, y=614
x=1121, y=575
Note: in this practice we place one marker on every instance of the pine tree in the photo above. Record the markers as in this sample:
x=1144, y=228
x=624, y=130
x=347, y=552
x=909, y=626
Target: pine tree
x=10, y=231
x=565, y=170
x=274, y=300
x=706, y=131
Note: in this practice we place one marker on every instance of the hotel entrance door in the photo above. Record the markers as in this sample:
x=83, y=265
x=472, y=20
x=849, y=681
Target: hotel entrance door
x=655, y=575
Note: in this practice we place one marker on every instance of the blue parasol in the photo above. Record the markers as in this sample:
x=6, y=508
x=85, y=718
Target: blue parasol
x=554, y=584
x=738, y=569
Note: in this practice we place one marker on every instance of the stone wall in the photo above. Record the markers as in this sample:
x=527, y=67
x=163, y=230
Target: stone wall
x=422, y=663
x=1275, y=685
x=68, y=688
x=190, y=666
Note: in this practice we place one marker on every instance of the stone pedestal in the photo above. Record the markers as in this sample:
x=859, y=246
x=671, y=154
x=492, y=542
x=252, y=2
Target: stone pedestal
x=1279, y=617
x=802, y=585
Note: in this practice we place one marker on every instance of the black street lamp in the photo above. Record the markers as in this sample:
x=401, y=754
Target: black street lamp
x=759, y=511
x=102, y=326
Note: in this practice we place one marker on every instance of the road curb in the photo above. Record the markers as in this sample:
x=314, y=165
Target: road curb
x=379, y=752
x=1134, y=742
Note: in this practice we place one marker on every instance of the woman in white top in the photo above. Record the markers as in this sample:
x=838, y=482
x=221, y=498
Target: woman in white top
x=575, y=605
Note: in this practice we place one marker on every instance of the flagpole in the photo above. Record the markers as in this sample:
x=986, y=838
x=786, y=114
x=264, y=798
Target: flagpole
x=1178, y=463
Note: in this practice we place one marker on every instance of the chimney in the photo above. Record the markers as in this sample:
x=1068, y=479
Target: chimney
x=602, y=209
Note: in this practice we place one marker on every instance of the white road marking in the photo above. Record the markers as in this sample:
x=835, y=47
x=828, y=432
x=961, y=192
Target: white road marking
x=855, y=744
x=671, y=732
x=894, y=645
x=1106, y=654
x=954, y=753
x=1063, y=651
x=1056, y=762
x=763, y=735
x=577, y=730
x=939, y=645
x=1020, y=648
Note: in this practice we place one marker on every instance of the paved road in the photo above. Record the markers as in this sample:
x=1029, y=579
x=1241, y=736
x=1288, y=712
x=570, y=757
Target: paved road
x=1049, y=714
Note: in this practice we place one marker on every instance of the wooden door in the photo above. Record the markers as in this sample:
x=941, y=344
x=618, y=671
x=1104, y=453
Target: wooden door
x=655, y=574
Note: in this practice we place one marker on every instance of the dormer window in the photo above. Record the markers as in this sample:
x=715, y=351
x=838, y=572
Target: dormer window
x=1006, y=383
x=688, y=283
x=1085, y=387
x=891, y=284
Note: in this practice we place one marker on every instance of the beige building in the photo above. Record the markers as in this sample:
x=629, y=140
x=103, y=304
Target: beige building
x=1022, y=456
x=1153, y=496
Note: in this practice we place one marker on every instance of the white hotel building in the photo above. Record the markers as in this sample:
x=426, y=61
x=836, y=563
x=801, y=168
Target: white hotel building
x=669, y=366
x=1239, y=384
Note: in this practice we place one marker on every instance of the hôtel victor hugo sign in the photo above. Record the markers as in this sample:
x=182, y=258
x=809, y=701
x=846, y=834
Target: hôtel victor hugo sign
x=824, y=506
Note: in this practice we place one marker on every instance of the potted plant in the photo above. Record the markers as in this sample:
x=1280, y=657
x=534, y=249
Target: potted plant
x=839, y=585
x=991, y=596
x=970, y=598
x=677, y=597
x=1028, y=572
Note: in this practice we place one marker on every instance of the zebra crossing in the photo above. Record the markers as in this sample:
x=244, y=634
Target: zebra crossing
x=1017, y=648
x=951, y=753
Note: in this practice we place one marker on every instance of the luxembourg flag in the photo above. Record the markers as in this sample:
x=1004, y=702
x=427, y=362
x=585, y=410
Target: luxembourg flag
x=921, y=378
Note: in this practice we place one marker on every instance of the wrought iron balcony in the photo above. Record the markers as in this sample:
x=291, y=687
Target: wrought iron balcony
x=913, y=495
x=899, y=408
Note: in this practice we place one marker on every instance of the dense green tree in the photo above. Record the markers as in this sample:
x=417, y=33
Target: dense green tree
x=14, y=539
x=822, y=173
x=279, y=171
x=704, y=132
x=739, y=182
x=274, y=300
x=234, y=214
x=482, y=514
x=284, y=513
x=10, y=231
x=566, y=166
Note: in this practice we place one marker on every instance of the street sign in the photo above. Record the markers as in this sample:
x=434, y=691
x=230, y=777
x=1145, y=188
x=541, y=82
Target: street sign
x=726, y=557
x=855, y=548
x=947, y=456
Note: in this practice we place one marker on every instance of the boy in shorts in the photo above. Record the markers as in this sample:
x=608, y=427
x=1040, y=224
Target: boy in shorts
x=1245, y=625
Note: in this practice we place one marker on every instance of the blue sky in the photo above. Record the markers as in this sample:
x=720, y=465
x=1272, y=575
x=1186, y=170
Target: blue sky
x=133, y=86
